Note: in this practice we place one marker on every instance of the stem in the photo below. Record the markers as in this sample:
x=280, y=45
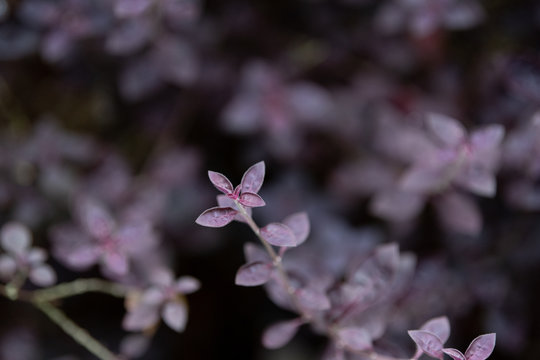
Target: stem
x=78, y=287
x=75, y=331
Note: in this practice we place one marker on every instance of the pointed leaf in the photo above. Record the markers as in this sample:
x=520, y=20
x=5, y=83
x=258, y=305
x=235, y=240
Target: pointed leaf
x=354, y=338
x=225, y=201
x=221, y=182
x=487, y=137
x=216, y=216
x=140, y=318
x=8, y=267
x=459, y=213
x=95, y=219
x=299, y=224
x=312, y=299
x=253, y=274
x=478, y=181
x=15, y=238
x=187, y=285
x=279, y=334
x=251, y=200
x=116, y=263
x=428, y=342
x=254, y=252
x=454, y=354
x=439, y=326
x=253, y=178
x=446, y=129
x=175, y=315
x=481, y=347
x=279, y=235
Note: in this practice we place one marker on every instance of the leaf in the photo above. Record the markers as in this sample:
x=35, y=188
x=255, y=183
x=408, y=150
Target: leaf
x=251, y=200
x=428, y=342
x=459, y=213
x=225, y=201
x=254, y=252
x=422, y=179
x=116, y=263
x=313, y=299
x=175, y=315
x=94, y=218
x=43, y=275
x=488, y=137
x=216, y=216
x=140, y=318
x=478, y=181
x=221, y=182
x=439, y=326
x=187, y=285
x=454, y=354
x=481, y=347
x=15, y=238
x=253, y=274
x=300, y=226
x=354, y=338
x=253, y=178
x=279, y=334
x=279, y=235
x=446, y=129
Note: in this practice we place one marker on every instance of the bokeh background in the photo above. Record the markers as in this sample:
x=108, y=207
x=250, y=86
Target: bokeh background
x=133, y=100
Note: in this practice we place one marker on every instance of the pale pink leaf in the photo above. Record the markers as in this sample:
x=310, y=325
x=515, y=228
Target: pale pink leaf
x=428, y=342
x=478, y=181
x=96, y=220
x=446, y=129
x=175, y=315
x=300, y=226
x=253, y=178
x=279, y=235
x=221, y=182
x=279, y=334
x=254, y=253
x=488, y=137
x=141, y=318
x=225, y=201
x=312, y=299
x=187, y=285
x=251, y=200
x=354, y=338
x=216, y=216
x=42, y=275
x=397, y=205
x=423, y=179
x=454, y=354
x=15, y=238
x=439, y=326
x=481, y=347
x=253, y=274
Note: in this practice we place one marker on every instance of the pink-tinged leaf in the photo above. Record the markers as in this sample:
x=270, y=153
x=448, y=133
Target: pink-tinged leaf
x=221, y=182
x=175, y=315
x=116, y=263
x=454, y=354
x=8, y=267
x=428, y=342
x=43, y=275
x=312, y=299
x=397, y=205
x=299, y=224
x=225, y=201
x=388, y=255
x=354, y=338
x=36, y=256
x=487, y=138
x=253, y=178
x=187, y=285
x=333, y=353
x=423, y=179
x=279, y=235
x=251, y=200
x=481, y=347
x=15, y=238
x=94, y=218
x=279, y=334
x=446, y=129
x=216, y=217
x=477, y=181
x=459, y=213
x=153, y=296
x=253, y=274
x=439, y=326
x=140, y=318
x=254, y=253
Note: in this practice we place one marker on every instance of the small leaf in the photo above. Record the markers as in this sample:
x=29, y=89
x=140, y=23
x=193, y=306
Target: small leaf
x=251, y=200
x=481, y=347
x=15, y=238
x=454, y=354
x=95, y=218
x=175, y=315
x=225, y=201
x=140, y=318
x=439, y=326
x=279, y=334
x=221, y=182
x=313, y=299
x=8, y=267
x=279, y=235
x=116, y=263
x=253, y=178
x=253, y=274
x=299, y=224
x=43, y=275
x=187, y=285
x=354, y=338
x=478, y=181
x=216, y=216
x=487, y=137
x=446, y=129
x=254, y=252
x=428, y=342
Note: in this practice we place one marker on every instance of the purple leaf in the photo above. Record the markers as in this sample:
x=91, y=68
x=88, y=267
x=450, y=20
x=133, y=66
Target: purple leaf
x=478, y=181
x=299, y=224
x=313, y=299
x=454, y=354
x=253, y=178
x=428, y=342
x=446, y=129
x=225, y=201
x=488, y=137
x=279, y=235
x=187, y=285
x=253, y=274
x=481, y=347
x=116, y=263
x=279, y=334
x=95, y=219
x=216, y=216
x=221, y=182
x=175, y=315
x=42, y=275
x=251, y=200
x=140, y=318
x=15, y=238
x=439, y=326
x=254, y=253
x=354, y=338
x=423, y=179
